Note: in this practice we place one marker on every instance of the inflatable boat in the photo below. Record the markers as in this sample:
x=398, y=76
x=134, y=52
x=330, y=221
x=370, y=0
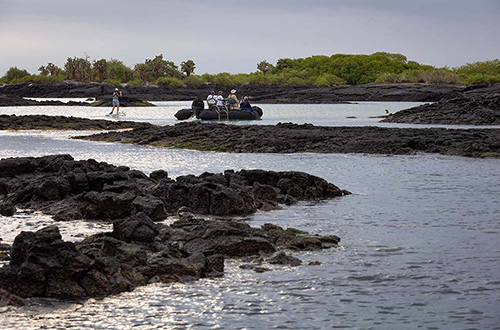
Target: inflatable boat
x=215, y=114
x=197, y=110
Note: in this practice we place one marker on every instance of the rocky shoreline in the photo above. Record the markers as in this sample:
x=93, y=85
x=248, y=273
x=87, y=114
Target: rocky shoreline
x=280, y=138
x=68, y=189
x=260, y=94
x=475, y=106
x=102, y=101
x=139, y=250
x=42, y=122
x=293, y=138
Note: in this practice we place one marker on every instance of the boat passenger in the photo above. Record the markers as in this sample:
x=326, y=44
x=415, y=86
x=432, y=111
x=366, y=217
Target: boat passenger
x=211, y=99
x=197, y=106
x=220, y=99
x=234, y=103
x=245, y=105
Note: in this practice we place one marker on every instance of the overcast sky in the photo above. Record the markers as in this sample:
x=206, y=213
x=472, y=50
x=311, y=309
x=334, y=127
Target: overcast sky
x=232, y=36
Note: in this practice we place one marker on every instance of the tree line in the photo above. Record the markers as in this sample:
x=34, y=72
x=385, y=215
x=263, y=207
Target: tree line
x=321, y=70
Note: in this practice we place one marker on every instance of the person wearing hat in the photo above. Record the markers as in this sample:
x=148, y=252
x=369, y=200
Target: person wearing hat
x=234, y=103
x=116, y=101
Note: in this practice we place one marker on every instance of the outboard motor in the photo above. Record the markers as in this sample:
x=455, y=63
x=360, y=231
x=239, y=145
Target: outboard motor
x=198, y=106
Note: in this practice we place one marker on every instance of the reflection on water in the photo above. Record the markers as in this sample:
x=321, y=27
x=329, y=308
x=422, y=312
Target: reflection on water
x=356, y=114
x=419, y=247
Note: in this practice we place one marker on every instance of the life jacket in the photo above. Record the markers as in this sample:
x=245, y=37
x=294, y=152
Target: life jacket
x=211, y=99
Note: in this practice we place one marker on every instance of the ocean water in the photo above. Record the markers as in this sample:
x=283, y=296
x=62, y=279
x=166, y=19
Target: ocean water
x=420, y=246
x=355, y=114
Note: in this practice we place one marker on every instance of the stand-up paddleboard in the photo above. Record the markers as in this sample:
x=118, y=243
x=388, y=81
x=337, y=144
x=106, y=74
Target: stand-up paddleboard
x=122, y=114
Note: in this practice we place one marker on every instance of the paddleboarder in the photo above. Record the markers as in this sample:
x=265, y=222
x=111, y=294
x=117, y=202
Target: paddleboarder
x=116, y=101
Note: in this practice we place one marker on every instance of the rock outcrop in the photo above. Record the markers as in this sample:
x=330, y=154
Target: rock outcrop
x=291, y=138
x=476, y=106
x=12, y=100
x=68, y=189
x=258, y=93
x=138, y=252
x=7, y=209
x=44, y=122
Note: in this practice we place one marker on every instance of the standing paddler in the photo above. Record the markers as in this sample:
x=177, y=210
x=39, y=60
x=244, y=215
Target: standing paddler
x=116, y=101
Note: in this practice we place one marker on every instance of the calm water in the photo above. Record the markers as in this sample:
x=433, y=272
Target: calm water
x=420, y=247
x=317, y=114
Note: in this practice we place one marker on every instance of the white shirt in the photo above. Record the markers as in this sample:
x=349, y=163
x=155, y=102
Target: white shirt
x=211, y=99
x=219, y=99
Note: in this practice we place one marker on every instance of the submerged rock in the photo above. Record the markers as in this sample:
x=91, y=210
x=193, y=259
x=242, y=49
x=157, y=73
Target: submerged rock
x=283, y=259
x=9, y=299
x=7, y=209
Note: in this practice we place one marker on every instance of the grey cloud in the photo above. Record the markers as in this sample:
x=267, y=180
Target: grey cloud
x=223, y=35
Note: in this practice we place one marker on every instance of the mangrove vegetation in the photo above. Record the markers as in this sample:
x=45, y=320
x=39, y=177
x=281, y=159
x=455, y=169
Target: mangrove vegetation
x=338, y=69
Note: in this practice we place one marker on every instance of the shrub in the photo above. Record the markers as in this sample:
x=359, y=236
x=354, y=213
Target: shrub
x=169, y=82
x=276, y=79
x=136, y=82
x=240, y=79
x=388, y=78
x=258, y=79
x=432, y=76
x=481, y=78
x=296, y=81
x=194, y=81
x=14, y=75
x=41, y=79
x=223, y=79
x=479, y=72
x=328, y=79
x=209, y=78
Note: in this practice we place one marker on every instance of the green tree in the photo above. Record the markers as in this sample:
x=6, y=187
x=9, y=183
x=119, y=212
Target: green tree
x=264, y=66
x=83, y=69
x=43, y=71
x=158, y=67
x=53, y=69
x=14, y=74
x=188, y=67
x=116, y=70
x=284, y=63
x=141, y=72
x=479, y=72
x=392, y=56
x=100, y=69
x=78, y=69
x=70, y=67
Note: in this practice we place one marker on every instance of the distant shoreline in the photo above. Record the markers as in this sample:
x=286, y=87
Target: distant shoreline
x=271, y=94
